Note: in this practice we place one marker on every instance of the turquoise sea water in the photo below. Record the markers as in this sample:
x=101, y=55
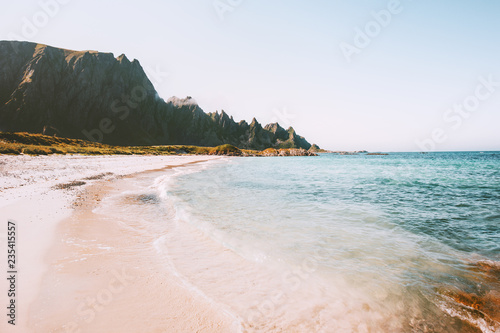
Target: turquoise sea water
x=401, y=243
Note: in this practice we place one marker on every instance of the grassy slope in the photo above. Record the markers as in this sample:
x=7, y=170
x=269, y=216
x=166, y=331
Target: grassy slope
x=37, y=144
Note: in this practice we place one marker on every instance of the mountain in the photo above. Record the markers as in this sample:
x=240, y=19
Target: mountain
x=95, y=96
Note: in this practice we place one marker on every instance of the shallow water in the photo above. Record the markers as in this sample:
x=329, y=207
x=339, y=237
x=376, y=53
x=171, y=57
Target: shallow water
x=398, y=243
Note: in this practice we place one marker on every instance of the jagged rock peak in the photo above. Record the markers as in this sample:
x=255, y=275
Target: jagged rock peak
x=274, y=128
x=123, y=58
x=94, y=96
x=71, y=56
x=255, y=123
x=182, y=101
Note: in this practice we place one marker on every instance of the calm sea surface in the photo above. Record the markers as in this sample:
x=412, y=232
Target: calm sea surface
x=401, y=243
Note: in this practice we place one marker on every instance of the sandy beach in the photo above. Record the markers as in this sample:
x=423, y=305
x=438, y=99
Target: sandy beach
x=78, y=270
x=215, y=244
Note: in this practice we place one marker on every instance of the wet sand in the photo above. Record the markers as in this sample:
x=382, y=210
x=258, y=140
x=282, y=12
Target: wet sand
x=79, y=271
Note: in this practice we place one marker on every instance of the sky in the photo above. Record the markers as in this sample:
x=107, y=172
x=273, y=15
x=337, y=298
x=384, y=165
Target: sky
x=408, y=75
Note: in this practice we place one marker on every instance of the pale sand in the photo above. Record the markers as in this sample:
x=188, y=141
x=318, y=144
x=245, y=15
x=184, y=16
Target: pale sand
x=58, y=282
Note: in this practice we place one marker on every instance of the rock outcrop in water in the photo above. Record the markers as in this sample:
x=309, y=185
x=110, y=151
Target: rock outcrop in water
x=94, y=96
x=476, y=303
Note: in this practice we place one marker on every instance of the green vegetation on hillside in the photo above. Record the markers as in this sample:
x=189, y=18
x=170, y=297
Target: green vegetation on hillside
x=38, y=144
x=228, y=150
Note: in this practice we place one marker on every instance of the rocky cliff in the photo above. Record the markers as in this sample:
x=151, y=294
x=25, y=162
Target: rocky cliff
x=95, y=96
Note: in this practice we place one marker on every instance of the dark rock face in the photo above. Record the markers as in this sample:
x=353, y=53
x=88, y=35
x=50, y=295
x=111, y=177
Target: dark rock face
x=94, y=96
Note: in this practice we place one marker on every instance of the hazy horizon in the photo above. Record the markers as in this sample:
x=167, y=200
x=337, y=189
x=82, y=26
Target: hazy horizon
x=376, y=76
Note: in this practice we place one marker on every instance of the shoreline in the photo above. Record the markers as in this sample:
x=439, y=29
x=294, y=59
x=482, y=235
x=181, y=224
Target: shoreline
x=21, y=143
x=129, y=255
x=42, y=202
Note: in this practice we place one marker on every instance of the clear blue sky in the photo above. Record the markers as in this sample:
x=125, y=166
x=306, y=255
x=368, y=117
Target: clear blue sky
x=282, y=60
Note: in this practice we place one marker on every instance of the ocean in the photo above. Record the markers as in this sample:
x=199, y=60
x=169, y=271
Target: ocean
x=406, y=242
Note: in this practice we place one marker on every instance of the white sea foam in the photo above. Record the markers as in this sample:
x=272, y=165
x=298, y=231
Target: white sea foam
x=281, y=255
